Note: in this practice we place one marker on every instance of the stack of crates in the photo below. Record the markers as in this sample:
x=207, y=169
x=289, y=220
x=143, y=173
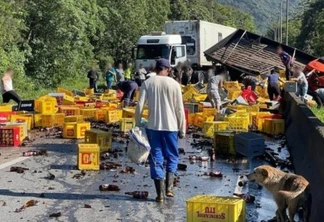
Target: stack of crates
x=102, y=138
x=70, y=110
x=189, y=93
x=52, y=120
x=46, y=105
x=113, y=116
x=5, y=107
x=28, y=118
x=274, y=126
x=239, y=122
x=88, y=113
x=224, y=143
x=200, y=119
x=9, y=136
x=210, y=127
x=74, y=119
x=88, y=157
x=75, y=130
x=225, y=209
x=126, y=124
x=23, y=129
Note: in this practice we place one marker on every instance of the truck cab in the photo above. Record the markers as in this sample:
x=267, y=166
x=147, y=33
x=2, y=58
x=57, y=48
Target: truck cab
x=159, y=45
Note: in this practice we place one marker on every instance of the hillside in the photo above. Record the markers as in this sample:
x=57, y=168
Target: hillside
x=265, y=12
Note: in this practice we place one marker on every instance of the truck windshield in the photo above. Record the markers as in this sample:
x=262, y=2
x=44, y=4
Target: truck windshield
x=153, y=51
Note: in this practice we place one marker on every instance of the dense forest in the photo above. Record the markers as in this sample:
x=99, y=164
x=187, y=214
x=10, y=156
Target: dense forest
x=50, y=43
x=264, y=12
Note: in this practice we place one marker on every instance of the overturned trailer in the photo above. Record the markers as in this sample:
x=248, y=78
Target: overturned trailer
x=246, y=52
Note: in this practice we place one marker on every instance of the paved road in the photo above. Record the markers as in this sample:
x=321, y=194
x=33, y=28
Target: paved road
x=68, y=195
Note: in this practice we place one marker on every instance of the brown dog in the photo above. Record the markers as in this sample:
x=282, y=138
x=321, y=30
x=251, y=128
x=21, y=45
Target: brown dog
x=289, y=190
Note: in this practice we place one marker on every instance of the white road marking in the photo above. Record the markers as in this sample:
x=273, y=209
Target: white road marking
x=12, y=162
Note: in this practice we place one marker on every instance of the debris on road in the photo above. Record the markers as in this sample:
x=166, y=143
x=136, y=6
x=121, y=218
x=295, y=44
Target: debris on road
x=182, y=167
x=18, y=169
x=50, y=176
x=4, y=204
x=247, y=197
x=29, y=203
x=35, y=153
x=55, y=214
x=87, y=206
x=138, y=194
x=214, y=174
x=79, y=175
x=109, y=187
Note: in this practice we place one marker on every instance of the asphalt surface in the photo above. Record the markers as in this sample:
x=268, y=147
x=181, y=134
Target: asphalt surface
x=68, y=195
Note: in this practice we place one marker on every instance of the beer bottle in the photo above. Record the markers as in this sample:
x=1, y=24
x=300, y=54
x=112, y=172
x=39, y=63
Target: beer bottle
x=109, y=187
x=138, y=194
x=211, y=153
x=182, y=167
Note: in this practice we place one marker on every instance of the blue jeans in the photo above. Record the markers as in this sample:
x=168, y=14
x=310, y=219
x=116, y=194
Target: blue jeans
x=301, y=91
x=164, y=146
x=109, y=84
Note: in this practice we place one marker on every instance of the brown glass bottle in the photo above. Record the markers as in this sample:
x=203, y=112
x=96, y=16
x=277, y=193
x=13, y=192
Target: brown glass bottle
x=109, y=187
x=138, y=194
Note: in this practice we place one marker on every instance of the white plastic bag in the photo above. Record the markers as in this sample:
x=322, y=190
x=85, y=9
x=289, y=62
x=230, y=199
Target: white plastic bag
x=138, y=148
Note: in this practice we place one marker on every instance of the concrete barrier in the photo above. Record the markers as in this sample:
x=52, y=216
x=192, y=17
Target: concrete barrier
x=305, y=137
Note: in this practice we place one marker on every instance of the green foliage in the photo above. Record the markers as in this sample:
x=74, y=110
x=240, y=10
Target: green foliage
x=52, y=43
x=264, y=12
x=311, y=38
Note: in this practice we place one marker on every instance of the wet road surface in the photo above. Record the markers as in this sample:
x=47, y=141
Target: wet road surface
x=69, y=195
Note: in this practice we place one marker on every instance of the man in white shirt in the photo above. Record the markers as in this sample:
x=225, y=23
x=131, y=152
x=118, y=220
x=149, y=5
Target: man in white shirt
x=166, y=122
x=8, y=92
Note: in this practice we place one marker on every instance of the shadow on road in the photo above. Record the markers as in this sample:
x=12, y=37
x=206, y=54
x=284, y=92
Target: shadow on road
x=70, y=196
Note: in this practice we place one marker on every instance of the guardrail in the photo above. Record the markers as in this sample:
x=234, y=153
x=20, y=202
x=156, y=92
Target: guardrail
x=305, y=137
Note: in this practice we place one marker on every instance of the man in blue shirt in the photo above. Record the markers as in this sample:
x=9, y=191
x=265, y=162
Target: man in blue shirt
x=273, y=84
x=287, y=60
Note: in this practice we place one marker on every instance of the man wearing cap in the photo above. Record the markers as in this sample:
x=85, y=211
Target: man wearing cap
x=129, y=89
x=166, y=123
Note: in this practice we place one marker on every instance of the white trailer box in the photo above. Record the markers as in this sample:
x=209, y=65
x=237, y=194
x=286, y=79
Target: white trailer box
x=198, y=36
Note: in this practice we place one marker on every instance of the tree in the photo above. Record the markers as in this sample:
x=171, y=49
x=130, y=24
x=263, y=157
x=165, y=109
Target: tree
x=311, y=37
x=59, y=34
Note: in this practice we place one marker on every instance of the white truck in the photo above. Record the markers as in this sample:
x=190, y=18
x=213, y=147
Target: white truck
x=181, y=41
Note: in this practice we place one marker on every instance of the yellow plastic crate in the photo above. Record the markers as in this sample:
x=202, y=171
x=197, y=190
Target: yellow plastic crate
x=65, y=91
x=68, y=100
x=73, y=119
x=262, y=92
x=251, y=108
x=232, y=85
x=258, y=119
x=37, y=120
x=23, y=131
x=109, y=96
x=126, y=124
x=274, y=126
x=203, y=208
x=209, y=111
x=102, y=138
x=200, y=119
x=88, y=157
x=200, y=97
x=233, y=94
x=52, y=120
x=21, y=118
x=81, y=99
x=88, y=91
x=191, y=118
x=210, y=127
x=128, y=113
x=114, y=105
x=224, y=142
x=75, y=130
x=113, y=116
x=47, y=105
x=69, y=110
x=5, y=108
x=239, y=123
x=100, y=115
x=89, y=113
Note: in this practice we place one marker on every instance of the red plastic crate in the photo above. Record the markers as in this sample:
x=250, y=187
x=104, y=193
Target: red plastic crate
x=9, y=136
x=187, y=116
x=5, y=116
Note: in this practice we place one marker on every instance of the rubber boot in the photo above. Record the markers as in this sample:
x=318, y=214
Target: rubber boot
x=169, y=184
x=159, y=186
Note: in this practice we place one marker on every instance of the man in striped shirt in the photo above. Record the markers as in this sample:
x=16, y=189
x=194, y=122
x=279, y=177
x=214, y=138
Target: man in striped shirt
x=8, y=92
